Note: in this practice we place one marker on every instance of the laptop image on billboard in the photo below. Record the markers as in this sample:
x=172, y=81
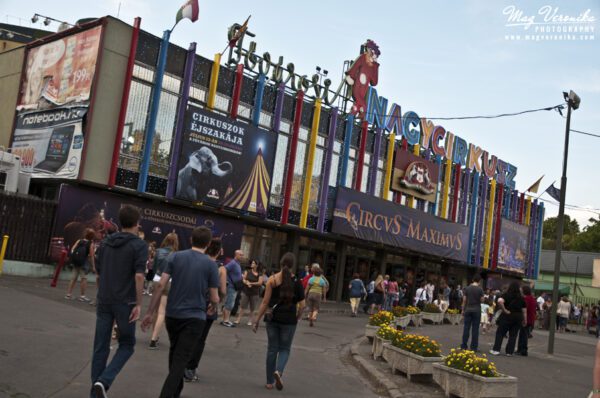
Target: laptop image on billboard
x=58, y=149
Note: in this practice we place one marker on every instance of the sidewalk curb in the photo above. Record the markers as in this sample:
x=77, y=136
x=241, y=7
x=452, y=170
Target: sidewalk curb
x=375, y=376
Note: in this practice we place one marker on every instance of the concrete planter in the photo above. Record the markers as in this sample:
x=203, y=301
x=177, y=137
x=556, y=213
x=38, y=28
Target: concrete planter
x=402, y=321
x=407, y=362
x=458, y=383
x=416, y=319
x=378, y=343
x=454, y=319
x=434, y=317
x=370, y=331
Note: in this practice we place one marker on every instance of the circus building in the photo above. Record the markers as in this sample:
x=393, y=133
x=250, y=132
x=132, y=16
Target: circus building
x=268, y=158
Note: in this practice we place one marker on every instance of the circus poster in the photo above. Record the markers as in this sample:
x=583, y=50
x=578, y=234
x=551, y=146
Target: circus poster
x=513, y=247
x=225, y=162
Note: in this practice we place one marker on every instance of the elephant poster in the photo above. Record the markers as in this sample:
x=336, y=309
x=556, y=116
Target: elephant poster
x=225, y=162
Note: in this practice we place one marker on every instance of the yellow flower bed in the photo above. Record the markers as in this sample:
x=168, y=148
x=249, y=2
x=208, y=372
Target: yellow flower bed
x=413, y=310
x=453, y=311
x=403, y=311
x=431, y=308
x=468, y=361
x=387, y=332
x=420, y=345
x=381, y=318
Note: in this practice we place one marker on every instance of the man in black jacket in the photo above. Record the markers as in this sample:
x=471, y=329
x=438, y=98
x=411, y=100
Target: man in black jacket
x=121, y=264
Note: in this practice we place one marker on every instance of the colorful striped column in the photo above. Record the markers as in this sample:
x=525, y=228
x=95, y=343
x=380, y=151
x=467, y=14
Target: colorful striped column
x=258, y=99
x=433, y=206
x=324, y=189
x=515, y=209
x=214, y=79
x=446, y=190
x=389, y=166
x=500, y=190
x=310, y=163
x=528, y=211
x=532, y=235
x=538, y=244
x=375, y=162
x=507, y=202
x=179, y=127
x=361, y=155
x=465, y=196
x=289, y=178
x=472, y=216
x=490, y=222
x=346, y=151
x=416, y=152
x=521, y=207
x=480, y=219
x=237, y=91
x=457, y=172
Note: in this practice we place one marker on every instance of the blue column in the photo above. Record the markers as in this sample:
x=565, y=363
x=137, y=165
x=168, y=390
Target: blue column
x=374, y=162
x=474, y=197
x=151, y=129
x=324, y=189
x=538, y=244
x=433, y=206
x=346, y=150
x=260, y=89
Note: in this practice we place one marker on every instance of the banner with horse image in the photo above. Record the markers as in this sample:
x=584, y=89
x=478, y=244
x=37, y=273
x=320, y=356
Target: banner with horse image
x=225, y=162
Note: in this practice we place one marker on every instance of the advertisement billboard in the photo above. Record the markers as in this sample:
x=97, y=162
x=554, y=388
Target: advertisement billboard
x=80, y=208
x=512, y=250
x=61, y=71
x=50, y=142
x=415, y=176
x=226, y=162
x=377, y=220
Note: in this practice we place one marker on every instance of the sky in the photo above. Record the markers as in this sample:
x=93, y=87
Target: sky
x=438, y=58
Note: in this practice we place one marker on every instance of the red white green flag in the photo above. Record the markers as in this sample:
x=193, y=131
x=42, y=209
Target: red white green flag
x=189, y=10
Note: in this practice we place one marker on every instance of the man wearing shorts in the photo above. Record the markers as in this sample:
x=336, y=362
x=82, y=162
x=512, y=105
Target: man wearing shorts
x=234, y=284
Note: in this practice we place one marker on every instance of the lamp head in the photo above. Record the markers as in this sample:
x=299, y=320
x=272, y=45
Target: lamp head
x=35, y=18
x=572, y=99
x=47, y=21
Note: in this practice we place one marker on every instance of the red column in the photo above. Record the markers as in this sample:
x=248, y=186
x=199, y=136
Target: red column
x=500, y=194
x=361, y=155
x=457, y=174
x=237, y=90
x=289, y=178
x=521, y=207
x=112, y=176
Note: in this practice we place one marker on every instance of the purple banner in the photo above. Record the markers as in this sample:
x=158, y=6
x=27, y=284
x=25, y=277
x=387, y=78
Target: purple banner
x=369, y=218
x=512, y=251
x=80, y=208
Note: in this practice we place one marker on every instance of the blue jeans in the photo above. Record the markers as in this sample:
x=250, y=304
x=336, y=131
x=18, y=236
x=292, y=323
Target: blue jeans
x=106, y=314
x=230, y=298
x=280, y=339
x=472, y=320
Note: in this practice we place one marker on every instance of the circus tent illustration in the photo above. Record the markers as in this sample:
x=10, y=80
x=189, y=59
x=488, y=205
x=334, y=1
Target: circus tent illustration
x=253, y=194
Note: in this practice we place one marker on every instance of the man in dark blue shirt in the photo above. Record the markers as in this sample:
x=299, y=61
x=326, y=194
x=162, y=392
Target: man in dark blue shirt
x=121, y=265
x=193, y=274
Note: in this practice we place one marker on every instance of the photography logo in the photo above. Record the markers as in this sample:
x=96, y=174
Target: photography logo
x=549, y=23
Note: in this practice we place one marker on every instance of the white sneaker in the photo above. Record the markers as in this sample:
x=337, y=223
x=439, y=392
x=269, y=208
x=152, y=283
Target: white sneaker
x=249, y=324
x=494, y=352
x=99, y=390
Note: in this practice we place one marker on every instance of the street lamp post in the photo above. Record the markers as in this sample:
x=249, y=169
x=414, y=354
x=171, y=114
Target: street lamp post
x=573, y=102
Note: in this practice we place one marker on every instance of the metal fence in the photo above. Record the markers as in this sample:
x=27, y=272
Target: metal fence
x=28, y=223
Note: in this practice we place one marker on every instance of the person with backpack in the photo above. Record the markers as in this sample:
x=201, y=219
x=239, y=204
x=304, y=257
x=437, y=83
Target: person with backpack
x=82, y=259
x=316, y=290
x=357, y=291
x=170, y=244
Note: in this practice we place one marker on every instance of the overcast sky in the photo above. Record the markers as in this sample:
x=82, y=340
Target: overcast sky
x=438, y=58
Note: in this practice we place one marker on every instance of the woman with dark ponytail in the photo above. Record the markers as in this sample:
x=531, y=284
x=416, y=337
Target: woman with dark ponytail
x=281, y=307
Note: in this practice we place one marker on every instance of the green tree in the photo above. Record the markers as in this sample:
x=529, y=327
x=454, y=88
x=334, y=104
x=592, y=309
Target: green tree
x=570, y=233
x=589, y=239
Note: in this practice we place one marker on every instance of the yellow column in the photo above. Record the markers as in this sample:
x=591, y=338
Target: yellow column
x=490, y=219
x=528, y=211
x=417, y=152
x=3, y=251
x=310, y=162
x=389, y=166
x=214, y=78
x=447, y=177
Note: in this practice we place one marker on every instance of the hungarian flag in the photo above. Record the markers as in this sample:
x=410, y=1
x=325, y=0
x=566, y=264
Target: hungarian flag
x=189, y=10
x=239, y=33
x=554, y=192
x=535, y=186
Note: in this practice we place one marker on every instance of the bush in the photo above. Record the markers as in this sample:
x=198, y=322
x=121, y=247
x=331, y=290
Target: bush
x=381, y=318
x=468, y=361
x=420, y=345
x=399, y=312
x=387, y=332
x=431, y=308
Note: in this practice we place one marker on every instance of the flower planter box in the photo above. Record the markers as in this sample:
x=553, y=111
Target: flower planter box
x=378, y=343
x=403, y=321
x=416, y=319
x=458, y=383
x=454, y=319
x=434, y=317
x=370, y=331
x=407, y=362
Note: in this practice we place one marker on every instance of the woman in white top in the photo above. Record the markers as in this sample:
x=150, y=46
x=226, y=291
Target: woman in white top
x=441, y=303
x=563, y=311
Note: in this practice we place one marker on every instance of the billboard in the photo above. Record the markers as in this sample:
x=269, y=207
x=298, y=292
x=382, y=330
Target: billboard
x=377, y=220
x=80, y=208
x=50, y=142
x=415, y=176
x=512, y=250
x=225, y=161
x=61, y=71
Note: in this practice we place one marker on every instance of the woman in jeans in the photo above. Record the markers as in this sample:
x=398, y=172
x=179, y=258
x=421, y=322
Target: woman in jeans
x=392, y=294
x=512, y=318
x=250, y=300
x=284, y=300
x=357, y=290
